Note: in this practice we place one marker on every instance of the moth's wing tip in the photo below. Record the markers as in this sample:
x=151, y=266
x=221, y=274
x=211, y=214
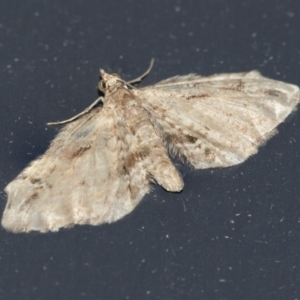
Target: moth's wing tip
x=17, y=219
x=10, y=224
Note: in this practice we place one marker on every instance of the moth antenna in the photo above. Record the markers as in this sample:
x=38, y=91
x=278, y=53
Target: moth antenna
x=88, y=109
x=143, y=75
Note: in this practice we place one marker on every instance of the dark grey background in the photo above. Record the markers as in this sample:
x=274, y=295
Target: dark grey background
x=232, y=233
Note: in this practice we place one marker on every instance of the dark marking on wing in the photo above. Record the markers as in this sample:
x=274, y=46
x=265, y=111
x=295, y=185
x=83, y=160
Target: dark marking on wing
x=191, y=139
x=273, y=93
x=76, y=151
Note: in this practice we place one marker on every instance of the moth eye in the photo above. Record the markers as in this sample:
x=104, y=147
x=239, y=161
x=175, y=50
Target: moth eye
x=102, y=86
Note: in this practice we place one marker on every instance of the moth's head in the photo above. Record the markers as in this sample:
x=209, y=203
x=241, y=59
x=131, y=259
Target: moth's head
x=109, y=81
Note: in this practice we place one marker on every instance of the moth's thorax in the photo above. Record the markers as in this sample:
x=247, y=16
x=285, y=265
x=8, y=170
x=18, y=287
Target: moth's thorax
x=120, y=96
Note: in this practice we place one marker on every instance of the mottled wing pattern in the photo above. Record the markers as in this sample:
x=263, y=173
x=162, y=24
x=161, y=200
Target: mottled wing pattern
x=217, y=121
x=82, y=179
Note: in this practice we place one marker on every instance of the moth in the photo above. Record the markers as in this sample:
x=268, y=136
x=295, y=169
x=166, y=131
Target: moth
x=102, y=162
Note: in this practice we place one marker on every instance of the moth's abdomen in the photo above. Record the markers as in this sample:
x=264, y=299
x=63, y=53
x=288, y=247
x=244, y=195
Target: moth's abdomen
x=147, y=147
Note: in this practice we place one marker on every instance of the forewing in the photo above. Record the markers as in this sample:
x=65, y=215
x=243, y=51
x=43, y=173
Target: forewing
x=221, y=120
x=83, y=178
